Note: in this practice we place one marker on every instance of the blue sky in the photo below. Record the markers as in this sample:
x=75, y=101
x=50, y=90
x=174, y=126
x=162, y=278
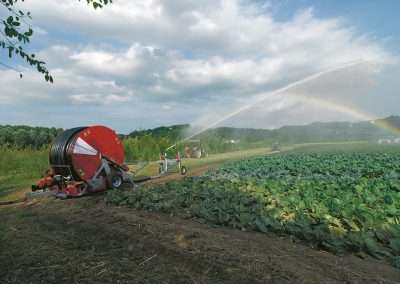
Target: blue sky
x=140, y=64
x=379, y=18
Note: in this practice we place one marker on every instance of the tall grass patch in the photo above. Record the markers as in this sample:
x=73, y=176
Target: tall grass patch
x=19, y=167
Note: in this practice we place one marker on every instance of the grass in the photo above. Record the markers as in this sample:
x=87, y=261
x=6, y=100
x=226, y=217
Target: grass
x=18, y=169
x=151, y=168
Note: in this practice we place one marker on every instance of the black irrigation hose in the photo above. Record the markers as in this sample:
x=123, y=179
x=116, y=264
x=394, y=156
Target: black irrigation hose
x=60, y=152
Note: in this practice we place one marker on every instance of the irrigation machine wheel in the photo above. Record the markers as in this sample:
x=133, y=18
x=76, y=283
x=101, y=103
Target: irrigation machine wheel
x=116, y=181
x=183, y=170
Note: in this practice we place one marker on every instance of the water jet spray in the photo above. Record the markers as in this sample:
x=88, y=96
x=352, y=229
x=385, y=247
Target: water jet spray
x=263, y=96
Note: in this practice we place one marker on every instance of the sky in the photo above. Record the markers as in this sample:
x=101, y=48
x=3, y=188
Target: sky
x=146, y=63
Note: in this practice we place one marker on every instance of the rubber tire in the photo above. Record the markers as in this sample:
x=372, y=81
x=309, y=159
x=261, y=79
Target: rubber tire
x=183, y=170
x=116, y=181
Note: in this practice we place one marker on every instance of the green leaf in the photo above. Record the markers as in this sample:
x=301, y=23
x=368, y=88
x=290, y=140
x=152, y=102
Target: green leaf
x=394, y=244
x=10, y=20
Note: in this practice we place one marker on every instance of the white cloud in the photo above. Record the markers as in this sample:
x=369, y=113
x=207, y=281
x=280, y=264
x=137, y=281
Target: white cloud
x=180, y=53
x=106, y=62
x=100, y=98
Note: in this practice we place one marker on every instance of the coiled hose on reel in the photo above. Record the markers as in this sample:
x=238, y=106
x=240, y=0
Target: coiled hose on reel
x=61, y=150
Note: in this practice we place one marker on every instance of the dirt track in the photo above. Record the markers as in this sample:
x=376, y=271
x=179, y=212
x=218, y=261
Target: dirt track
x=176, y=176
x=86, y=241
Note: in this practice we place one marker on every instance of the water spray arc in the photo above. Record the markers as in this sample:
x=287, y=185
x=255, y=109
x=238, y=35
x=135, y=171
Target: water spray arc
x=263, y=96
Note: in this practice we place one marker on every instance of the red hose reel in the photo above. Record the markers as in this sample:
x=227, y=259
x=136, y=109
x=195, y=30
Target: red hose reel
x=84, y=160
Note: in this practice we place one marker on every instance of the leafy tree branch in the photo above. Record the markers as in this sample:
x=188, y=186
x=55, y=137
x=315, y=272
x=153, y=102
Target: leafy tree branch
x=16, y=32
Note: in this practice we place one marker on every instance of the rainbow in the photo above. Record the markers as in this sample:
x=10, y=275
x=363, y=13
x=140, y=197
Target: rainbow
x=283, y=90
x=354, y=112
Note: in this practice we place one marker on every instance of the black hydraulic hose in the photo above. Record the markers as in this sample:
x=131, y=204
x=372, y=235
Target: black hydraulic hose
x=60, y=152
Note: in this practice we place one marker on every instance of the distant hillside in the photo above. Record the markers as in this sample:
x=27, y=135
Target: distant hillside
x=173, y=132
x=314, y=132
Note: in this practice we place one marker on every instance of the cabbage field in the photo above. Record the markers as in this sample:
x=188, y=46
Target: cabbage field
x=342, y=199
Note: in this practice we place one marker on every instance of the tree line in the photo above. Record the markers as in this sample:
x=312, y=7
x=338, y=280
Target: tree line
x=145, y=145
x=26, y=136
x=145, y=148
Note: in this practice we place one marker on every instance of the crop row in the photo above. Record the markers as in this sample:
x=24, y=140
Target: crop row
x=337, y=201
